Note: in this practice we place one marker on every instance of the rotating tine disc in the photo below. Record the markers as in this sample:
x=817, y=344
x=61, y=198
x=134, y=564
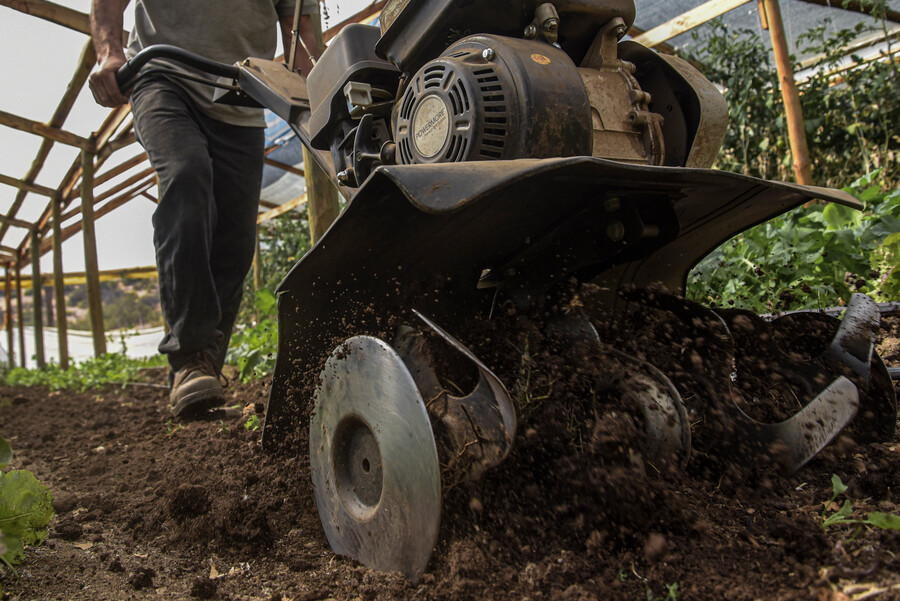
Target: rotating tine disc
x=373, y=460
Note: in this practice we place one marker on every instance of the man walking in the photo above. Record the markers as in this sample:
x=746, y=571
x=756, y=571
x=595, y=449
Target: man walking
x=209, y=159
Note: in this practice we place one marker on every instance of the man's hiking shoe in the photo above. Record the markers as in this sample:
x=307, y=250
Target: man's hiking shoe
x=196, y=388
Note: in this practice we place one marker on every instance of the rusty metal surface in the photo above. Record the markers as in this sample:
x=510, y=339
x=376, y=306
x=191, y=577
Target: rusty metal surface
x=624, y=128
x=420, y=237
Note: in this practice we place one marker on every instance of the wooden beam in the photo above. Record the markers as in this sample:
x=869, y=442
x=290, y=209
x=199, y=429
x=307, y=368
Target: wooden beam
x=792, y=108
x=858, y=7
x=137, y=177
x=687, y=21
x=118, y=143
x=59, y=292
x=15, y=222
x=37, y=301
x=19, y=312
x=27, y=186
x=7, y=287
x=281, y=209
x=76, y=227
x=45, y=131
x=285, y=167
x=110, y=125
x=61, y=15
x=85, y=64
x=95, y=304
x=74, y=278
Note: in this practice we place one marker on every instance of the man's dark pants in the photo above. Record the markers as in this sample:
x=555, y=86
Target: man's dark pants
x=204, y=228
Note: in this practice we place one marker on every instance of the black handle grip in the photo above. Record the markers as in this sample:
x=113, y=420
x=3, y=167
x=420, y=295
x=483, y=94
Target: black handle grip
x=129, y=71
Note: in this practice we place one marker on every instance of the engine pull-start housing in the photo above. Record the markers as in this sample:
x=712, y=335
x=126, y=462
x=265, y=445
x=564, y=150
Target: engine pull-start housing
x=491, y=97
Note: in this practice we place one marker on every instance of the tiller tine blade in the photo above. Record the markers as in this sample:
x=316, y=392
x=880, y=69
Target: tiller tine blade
x=793, y=442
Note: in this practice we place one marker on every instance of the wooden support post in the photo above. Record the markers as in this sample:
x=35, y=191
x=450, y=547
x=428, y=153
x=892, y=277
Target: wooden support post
x=323, y=197
x=257, y=268
x=59, y=291
x=9, y=320
x=95, y=306
x=37, y=288
x=19, y=312
x=792, y=108
x=49, y=315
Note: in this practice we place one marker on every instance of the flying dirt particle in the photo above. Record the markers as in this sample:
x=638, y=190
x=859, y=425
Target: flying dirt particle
x=655, y=547
x=475, y=505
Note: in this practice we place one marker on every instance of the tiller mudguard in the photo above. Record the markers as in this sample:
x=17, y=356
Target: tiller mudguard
x=428, y=248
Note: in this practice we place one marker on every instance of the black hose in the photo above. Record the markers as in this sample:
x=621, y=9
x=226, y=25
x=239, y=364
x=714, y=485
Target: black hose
x=127, y=73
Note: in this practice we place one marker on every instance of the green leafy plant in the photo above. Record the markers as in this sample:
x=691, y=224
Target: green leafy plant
x=844, y=513
x=26, y=507
x=253, y=346
x=111, y=368
x=253, y=423
x=810, y=257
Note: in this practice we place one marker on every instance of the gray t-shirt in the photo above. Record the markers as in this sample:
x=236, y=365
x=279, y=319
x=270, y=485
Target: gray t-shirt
x=222, y=30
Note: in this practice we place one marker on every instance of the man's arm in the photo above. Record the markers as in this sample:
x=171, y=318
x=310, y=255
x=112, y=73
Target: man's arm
x=302, y=62
x=106, y=30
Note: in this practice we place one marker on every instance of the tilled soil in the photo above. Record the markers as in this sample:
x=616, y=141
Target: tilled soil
x=148, y=508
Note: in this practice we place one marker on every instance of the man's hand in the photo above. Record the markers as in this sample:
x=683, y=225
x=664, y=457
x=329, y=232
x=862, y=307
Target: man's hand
x=106, y=31
x=103, y=83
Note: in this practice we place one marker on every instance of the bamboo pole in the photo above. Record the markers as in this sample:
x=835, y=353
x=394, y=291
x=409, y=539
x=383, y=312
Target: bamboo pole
x=37, y=287
x=322, y=195
x=687, y=21
x=19, y=312
x=95, y=306
x=46, y=131
x=59, y=291
x=792, y=109
x=27, y=186
x=9, y=320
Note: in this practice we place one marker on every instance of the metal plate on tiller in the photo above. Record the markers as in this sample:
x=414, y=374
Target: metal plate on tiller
x=373, y=460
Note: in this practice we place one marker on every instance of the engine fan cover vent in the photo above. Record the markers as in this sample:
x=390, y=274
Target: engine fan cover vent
x=487, y=98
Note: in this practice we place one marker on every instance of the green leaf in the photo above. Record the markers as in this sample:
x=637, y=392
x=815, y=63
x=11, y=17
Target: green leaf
x=253, y=423
x=839, y=217
x=885, y=521
x=26, y=507
x=6, y=453
x=837, y=486
x=840, y=516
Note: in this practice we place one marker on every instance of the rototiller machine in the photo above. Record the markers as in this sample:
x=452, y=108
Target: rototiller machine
x=496, y=154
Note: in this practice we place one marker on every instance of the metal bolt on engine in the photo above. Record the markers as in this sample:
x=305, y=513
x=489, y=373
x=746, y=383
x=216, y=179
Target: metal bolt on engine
x=488, y=54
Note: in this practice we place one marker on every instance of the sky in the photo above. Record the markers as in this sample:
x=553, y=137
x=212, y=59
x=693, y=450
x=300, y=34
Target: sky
x=40, y=59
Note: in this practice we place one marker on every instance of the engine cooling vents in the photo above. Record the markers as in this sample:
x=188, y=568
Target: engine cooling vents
x=496, y=121
x=455, y=109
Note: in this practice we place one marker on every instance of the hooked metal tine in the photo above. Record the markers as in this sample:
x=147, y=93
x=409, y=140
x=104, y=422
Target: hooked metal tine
x=504, y=403
x=854, y=342
x=812, y=428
